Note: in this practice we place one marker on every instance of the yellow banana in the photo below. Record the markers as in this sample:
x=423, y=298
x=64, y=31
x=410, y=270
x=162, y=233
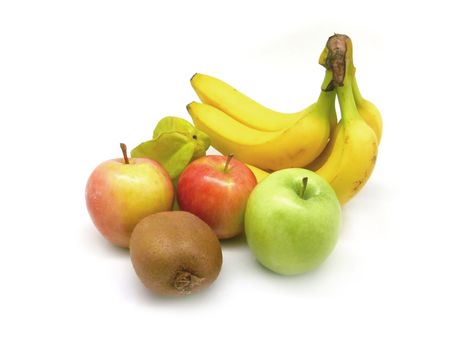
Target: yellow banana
x=349, y=159
x=258, y=173
x=229, y=100
x=294, y=146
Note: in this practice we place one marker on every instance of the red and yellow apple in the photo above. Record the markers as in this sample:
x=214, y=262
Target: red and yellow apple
x=216, y=189
x=121, y=192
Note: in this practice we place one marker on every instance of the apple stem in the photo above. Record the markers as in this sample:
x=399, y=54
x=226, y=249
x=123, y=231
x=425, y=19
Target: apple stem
x=304, y=186
x=227, y=163
x=125, y=155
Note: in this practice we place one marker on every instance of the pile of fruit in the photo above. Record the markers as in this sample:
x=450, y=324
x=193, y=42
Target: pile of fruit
x=281, y=180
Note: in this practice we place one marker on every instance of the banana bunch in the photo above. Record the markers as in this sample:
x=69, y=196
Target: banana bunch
x=344, y=153
x=257, y=135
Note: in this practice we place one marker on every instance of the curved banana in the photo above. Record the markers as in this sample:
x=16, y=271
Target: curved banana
x=349, y=159
x=229, y=100
x=294, y=146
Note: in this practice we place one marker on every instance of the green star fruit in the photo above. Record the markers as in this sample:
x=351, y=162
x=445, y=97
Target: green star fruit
x=175, y=144
x=174, y=124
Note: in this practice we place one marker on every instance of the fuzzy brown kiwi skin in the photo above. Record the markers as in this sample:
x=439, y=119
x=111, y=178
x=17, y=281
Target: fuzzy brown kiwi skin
x=175, y=253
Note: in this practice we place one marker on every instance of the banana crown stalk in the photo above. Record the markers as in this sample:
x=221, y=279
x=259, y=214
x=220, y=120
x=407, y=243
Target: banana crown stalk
x=332, y=58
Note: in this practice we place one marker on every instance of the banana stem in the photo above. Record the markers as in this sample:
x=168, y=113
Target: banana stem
x=356, y=93
x=326, y=102
x=347, y=101
x=326, y=99
x=339, y=61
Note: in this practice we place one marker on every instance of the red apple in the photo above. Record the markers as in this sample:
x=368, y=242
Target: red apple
x=121, y=192
x=216, y=189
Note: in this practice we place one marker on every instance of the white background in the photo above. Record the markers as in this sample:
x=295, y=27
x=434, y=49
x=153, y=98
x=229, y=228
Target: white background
x=78, y=77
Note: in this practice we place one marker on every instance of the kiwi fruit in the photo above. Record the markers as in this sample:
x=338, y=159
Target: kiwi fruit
x=175, y=253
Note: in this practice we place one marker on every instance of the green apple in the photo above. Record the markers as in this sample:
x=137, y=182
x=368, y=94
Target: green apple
x=292, y=221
